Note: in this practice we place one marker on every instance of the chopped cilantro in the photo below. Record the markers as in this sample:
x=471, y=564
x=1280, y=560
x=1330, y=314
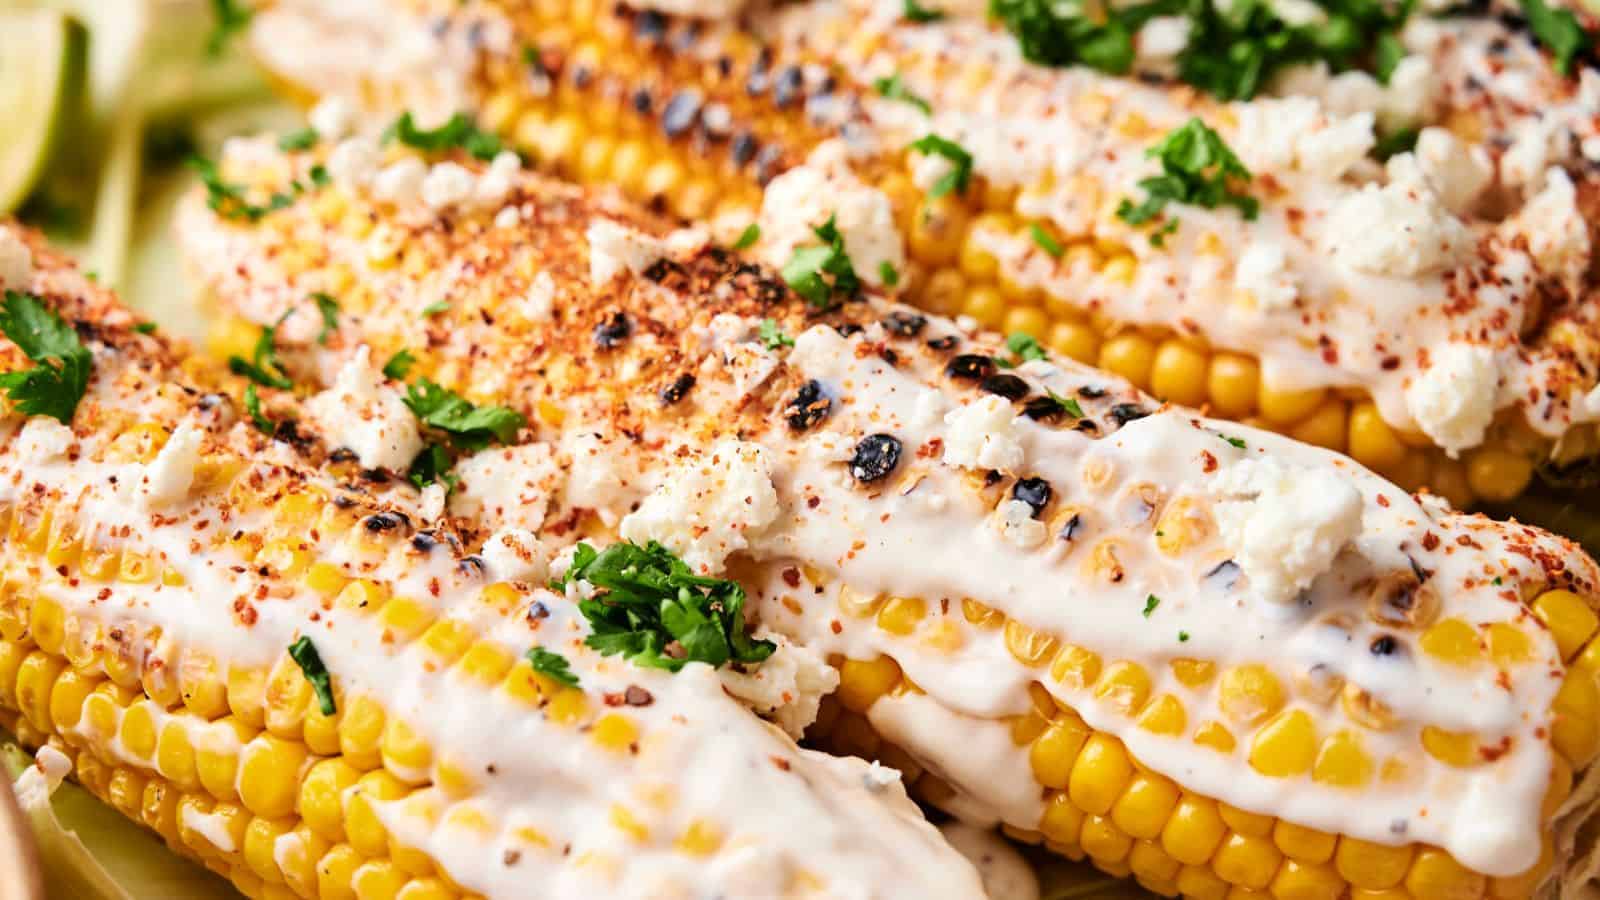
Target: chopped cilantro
x=232, y=17
x=470, y=427
x=772, y=335
x=1023, y=347
x=1558, y=30
x=552, y=665
x=1150, y=604
x=651, y=609
x=399, y=365
x=1197, y=169
x=916, y=12
x=1057, y=34
x=264, y=367
x=887, y=274
x=228, y=200
x=1395, y=143
x=748, y=237
x=820, y=273
x=433, y=465
x=1158, y=238
x=1045, y=240
x=1235, y=441
x=304, y=653
x=1183, y=637
x=961, y=164
x=1068, y=404
x=892, y=88
x=435, y=308
x=1496, y=581
x=460, y=131
x=320, y=176
x=329, y=308
x=252, y=405
x=145, y=328
x=1387, y=52
x=60, y=374
x=299, y=139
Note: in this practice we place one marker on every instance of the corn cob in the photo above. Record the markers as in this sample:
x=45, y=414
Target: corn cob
x=297, y=677
x=698, y=116
x=1193, y=652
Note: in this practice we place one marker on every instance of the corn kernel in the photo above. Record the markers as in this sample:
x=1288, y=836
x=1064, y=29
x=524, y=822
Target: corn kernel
x=1100, y=773
x=1250, y=694
x=1285, y=746
x=1125, y=687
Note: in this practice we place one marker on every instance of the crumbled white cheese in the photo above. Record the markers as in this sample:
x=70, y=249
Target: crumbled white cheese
x=508, y=217
x=1409, y=96
x=495, y=184
x=507, y=486
x=787, y=687
x=353, y=162
x=804, y=197
x=446, y=184
x=1454, y=399
x=1331, y=151
x=16, y=262
x=750, y=365
x=431, y=501
x=1263, y=273
x=982, y=434
x=1558, y=236
x=43, y=440
x=400, y=182
x=1277, y=134
x=515, y=554
x=363, y=413
x=168, y=477
x=332, y=117
x=929, y=410
x=1284, y=524
x=1163, y=38
x=1400, y=230
x=1532, y=152
x=711, y=507
x=601, y=475
x=1018, y=526
x=1457, y=171
x=540, y=301
x=614, y=248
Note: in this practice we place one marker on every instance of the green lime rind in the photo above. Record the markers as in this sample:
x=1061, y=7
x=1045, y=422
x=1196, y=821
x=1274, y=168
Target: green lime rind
x=43, y=65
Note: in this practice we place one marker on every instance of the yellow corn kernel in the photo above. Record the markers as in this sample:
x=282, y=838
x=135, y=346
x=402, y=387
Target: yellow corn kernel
x=1075, y=667
x=1452, y=641
x=448, y=639
x=247, y=695
x=1125, y=687
x=201, y=686
x=1145, y=805
x=47, y=625
x=1130, y=355
x=1247, y=861
x=615, y=732
x=1029, y=647
x=125, y=791
x=378, y=879
x=137, y=730
x=1575, y=731
x=362, y=595
x=68, y=696
x=260, y=847
x=175, y=757
x=1298, y=880
x=1455, y=748
x=1178, y=373
x=1304, y=845
x=406, y=753
x=336, y=872
x=404, y=619
x=1099, y=774
x=1435, y=876
x=1371, y=866
x=1232, y=385
x=321, y=802
x=1325, y=427
x=1164, y=715
x=285, y=698
x=700, y=839
x=269, y=775
x=486, y=663
x=1250, y=694
x=981, y=615
x=1283, y=407
x=326, y=579
x=1103, y=841
x=361, y=823
x=1193, y=673
x=900, y=615
x=1200, y=883
x=1285, y=746
x=217, y=757
x=862, y=682
x=1509, y=645
x=158, y=809
x=1216, y=736
x=1149, y=862
x=1062, y=822
x=1193, y=830
x=626, y=823
x=567, y=705
x=1056, y=750
x=1498, y=474
x=361, y=726
x=1342, y=761
x=1569, y=618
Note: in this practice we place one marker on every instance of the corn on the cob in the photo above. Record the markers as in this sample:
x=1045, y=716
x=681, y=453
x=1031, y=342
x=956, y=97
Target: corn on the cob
x=296, y=676
x=1208, y=656
x=1287, y=322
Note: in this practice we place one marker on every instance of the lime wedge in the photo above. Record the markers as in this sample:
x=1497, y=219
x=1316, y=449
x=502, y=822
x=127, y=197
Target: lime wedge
x=42, y=66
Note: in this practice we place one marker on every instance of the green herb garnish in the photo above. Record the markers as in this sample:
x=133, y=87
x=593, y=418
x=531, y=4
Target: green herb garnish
x=433, y=465
x=961, y=164
x=264, y=367
x=232, y=17
x=470, y=427
x=299, y=139
x=252, y=405
x=772, y=335
x=892, y=88
x=1395, y=143
x=1045, y=241
x=916, y=12
x=145, y=328
x=228, y=200
x=399, y=365
x=60, y=374
x=552, y=665
x=329, y=308
x=460, y=132
x=1558, y=30
x=1023, y=347
x=1197, y=169
x=657, y=613
x=887, y=274
x=821, y=273
x=1067, y=404
x=748, y=237
x=435, y=308
x=1150, y=604
x=1183, y=637
x=304, y=653
x=1235, y=441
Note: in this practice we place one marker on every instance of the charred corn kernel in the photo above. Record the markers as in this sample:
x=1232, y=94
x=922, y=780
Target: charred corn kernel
x=1247, y=861
x=1285, y=746
x=1250, y=694
x=900, y=615
x=1124, y=687
x=862, y=682
x=1027, y=646
x=1075, y=667
x=1054, y=752
x=1145, y=805
x=1569, y=618
x=1100, y=773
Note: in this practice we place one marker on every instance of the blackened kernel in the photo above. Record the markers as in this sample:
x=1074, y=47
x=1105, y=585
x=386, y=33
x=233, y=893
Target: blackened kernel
x=993, y=477
x=677, y=390
x=1123, y=413
x=1004, y=385
x=875, y=457
x=662, y=269
x=1071, y=528
x=743, y=149
x=1384, y=645
x=970, y=367
x=767, y=163
x=888, y=355
x=641, y=101
x=649, y=25
x=1091, y=393
x=613, y=331
x=681, y=112
x=809, y=406
x=342, y=454
x=1087, y=426
x=848, y=329
x=1043, y=409
x=472, y=567
x=1036, y=492
x=947, y=342
x=424, y=541
x=787, y=87
x=384, y=521
x=905, y=324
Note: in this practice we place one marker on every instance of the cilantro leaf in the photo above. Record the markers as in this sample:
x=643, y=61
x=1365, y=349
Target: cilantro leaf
x=887, y=274
x=471, y=427
x=1067, y=404
x=1558, y=30
x=460, y=131
x=299, y=139
x=399, y=365
x=228, y=200
x=892, y=88
x=431, y=465
x=1235, y=441
x=552, y=665
x=145, y=328
x=772, y=335
x=1025, y=346
x=1197, y=169
x=60, y=375
x=1394, y=143
x=916, y=12
x=264, y=367
x=820, y=273
x=1150, y=604
x=232, y=17
x=435, y=308
x=1045, y=240
x=252, y=405
x=329, y=308
x=960, y=173
x=748, y=237
x=304, y=653
x=1053, y=33
x=653, y=610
